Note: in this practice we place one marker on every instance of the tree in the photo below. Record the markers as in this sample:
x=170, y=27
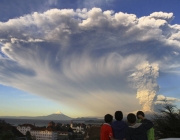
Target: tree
x=167, y=122
x=28, y=135
x=7, y=135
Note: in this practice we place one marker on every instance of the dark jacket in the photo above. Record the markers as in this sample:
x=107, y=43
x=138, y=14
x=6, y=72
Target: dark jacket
x=119, y=129
x=139, y=130
x=150, y=132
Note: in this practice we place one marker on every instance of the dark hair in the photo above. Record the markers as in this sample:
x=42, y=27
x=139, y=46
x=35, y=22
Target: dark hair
x=140, y=113
x=108, y=118
x=131, y=118
x=118, y=115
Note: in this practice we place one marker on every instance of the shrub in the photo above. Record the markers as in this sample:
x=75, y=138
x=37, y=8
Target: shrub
x=167, y=122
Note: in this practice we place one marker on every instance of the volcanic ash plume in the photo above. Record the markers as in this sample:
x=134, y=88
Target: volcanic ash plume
x=146, y=84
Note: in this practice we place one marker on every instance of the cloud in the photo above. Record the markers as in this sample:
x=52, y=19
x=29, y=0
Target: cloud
x=83, y=58
x=164, y=16
x=146, y=84
x=144, y=80
x=170, y=99
x=161, y=100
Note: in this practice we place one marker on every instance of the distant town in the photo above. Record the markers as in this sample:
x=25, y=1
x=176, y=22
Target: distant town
x=53, y=131
x=62, y=127
x=166, y=125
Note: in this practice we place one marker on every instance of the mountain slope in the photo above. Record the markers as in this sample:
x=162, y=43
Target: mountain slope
x=55, y=116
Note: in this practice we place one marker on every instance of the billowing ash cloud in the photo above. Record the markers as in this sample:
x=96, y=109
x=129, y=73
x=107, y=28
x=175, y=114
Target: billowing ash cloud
x=77, y=57
x=146, y=84
x=144, y=79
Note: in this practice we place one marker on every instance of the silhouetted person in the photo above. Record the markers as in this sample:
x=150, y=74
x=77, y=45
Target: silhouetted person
x=106, y=129
x=119, y=127
x=137, y=131
x=150, y=132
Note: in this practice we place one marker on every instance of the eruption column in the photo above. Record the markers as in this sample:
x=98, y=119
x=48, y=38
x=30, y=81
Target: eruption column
x=146, y=84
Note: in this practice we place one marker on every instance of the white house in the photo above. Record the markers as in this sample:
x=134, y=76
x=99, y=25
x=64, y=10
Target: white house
x=24, y=128
x=44, y=133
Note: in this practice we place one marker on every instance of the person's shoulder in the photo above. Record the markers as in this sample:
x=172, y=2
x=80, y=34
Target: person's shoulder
x=114, y=122
x=145, y=121
x=124, y=122
x=103, y=125
x=147, y=124
x=106, y=125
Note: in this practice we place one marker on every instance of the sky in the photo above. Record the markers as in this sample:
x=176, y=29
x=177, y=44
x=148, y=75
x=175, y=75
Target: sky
x=88, y=58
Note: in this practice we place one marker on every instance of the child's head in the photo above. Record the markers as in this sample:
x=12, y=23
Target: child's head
x=118, y=115
x=131, y=118
x=108, y=118
x=139, y=113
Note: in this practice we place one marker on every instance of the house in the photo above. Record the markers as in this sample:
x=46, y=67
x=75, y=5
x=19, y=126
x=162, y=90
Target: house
x=42, y=133
x=24, y=128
